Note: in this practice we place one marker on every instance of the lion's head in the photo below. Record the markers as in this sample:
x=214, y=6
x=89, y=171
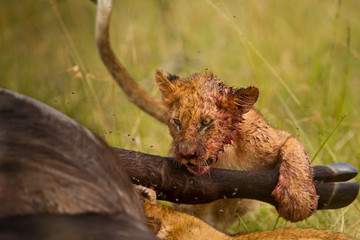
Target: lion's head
x=203, y=116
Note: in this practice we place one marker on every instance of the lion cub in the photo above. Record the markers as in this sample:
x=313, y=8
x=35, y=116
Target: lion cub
x=214, y=125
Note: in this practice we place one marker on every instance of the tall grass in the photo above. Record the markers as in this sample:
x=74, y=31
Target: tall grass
x=303, y=55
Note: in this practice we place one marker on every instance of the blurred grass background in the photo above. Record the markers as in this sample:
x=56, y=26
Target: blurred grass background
x=303, y=55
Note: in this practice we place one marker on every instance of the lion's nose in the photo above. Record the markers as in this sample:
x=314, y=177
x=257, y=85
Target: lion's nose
x=187, y=152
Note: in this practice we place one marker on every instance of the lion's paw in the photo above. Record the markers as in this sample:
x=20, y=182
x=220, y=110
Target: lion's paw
x=297, y=200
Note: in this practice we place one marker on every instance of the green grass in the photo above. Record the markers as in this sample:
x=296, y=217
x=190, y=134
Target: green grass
x=303, y=55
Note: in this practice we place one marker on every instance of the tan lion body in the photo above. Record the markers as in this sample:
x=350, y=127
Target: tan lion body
x=214, y=125
x=257, y=148
x=173, y=225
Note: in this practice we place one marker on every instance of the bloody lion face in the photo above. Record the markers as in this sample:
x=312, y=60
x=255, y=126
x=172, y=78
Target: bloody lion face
x=203, y=115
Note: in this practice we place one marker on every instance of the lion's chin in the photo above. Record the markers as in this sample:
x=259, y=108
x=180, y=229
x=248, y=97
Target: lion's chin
x=198, y=170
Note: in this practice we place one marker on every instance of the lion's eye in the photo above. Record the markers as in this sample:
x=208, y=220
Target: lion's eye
x=177, y=123
x=205, y=122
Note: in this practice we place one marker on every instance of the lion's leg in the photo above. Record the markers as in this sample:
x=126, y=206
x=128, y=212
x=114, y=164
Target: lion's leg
x=295, y=192
x=221, y=214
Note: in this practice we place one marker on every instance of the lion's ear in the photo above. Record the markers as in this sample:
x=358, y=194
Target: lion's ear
x=243, y=99
x=165, y=82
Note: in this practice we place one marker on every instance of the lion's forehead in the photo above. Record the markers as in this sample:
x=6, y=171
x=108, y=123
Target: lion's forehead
x=195, y=107
x=198, y=97
x=202, y=84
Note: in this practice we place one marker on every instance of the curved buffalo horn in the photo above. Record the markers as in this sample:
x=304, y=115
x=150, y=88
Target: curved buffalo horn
x=334, y=172
x=175, y=184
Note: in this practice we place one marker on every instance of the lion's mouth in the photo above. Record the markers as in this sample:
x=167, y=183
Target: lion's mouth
x=199, y=169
